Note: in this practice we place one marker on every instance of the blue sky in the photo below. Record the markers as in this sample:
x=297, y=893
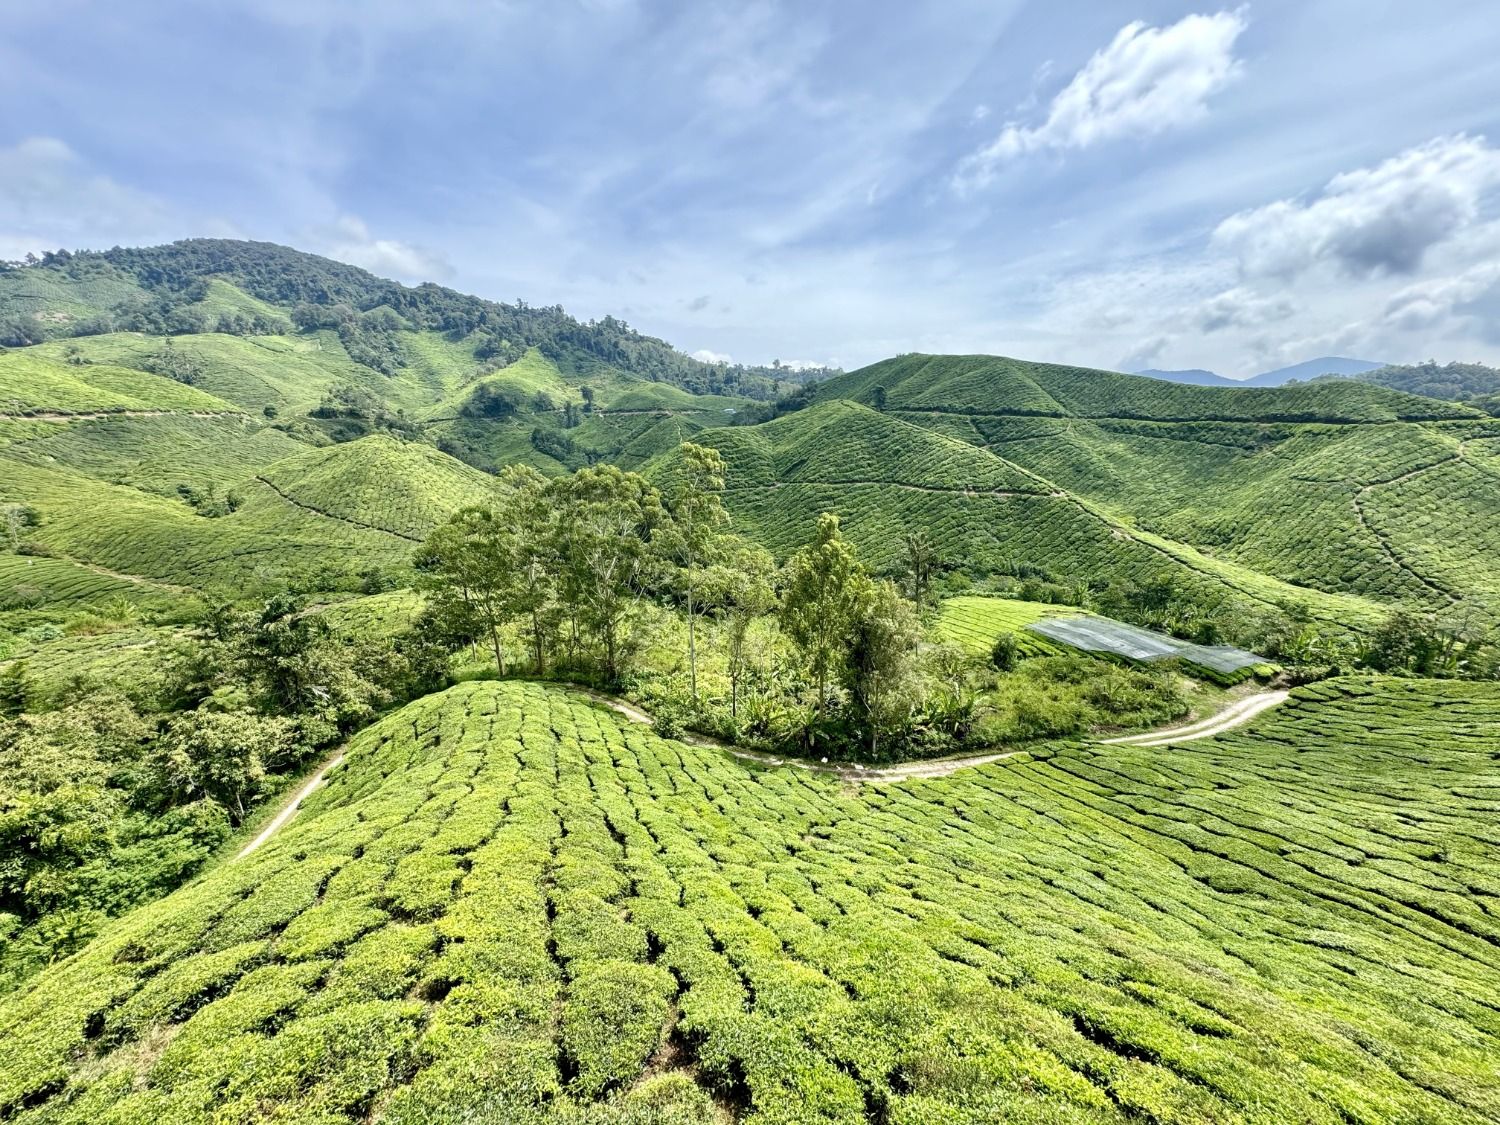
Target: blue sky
x=1152, y=184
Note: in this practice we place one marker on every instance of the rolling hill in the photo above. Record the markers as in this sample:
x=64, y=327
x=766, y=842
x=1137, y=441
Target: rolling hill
x=509, y=904
x=1338, y=486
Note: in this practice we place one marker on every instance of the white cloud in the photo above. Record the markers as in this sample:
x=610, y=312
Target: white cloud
x=1147, y=81
x=1446, y=304
x=1241, y=308
x=1370, y=221
x=706, y=356
x=50, y=198
x=350, y=240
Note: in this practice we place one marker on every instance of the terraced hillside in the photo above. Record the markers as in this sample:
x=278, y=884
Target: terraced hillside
x=886, y=476
x=320, y=516
x=509, y=904
x=1338, y=486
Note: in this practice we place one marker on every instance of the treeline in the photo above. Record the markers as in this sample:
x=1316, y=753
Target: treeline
x=323, y=292
x=1473, y=383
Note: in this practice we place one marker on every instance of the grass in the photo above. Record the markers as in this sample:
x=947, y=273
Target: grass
x=122, y=660
x=30, y=582
x=1340, y=487
x=510, y=904
x=377, y=482
x=160, y=453
x=997, y=385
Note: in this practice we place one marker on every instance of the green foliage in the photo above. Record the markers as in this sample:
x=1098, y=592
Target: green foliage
x=825, y=591
x=640, y=928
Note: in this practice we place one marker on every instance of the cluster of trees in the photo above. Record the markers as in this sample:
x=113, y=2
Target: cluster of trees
x=369, y=337
x=567, y=564
x=347, y=412
x=110, y=797
x=1474, y=383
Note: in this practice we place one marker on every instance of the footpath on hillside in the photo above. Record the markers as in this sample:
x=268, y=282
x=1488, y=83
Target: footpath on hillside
x=1237, y=713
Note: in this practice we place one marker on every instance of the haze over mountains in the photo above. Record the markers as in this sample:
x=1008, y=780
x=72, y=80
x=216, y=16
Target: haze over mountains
x=1309, y=369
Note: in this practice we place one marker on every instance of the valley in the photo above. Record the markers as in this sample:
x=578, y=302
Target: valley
x=420, y=708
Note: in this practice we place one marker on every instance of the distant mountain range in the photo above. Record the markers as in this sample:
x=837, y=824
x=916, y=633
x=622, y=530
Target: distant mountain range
x=1324, y=365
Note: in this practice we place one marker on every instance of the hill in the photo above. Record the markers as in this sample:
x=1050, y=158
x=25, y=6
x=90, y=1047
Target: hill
x=509, y=904
x=1338, y=486
x=258, y=288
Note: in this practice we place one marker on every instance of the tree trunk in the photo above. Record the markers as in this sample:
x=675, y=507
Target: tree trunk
x=536, y=641
x=692, y=646
x=499, y=657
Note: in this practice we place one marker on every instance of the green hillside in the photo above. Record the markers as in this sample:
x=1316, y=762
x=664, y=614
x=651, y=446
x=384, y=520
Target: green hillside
x=219, y=285
x=1338, y=486
x=509, y=904
x=887, y=476
x=996, y=385
x=402, y=488
x=32, y=384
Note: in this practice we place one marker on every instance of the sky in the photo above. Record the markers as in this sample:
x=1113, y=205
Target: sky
x=1136, y=185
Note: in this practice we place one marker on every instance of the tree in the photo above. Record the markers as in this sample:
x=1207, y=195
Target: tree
x=528, y=513
x=291, y=663
x=588, y=398
x=693, y=537
x=921, y=561
x=222, y=755
x=741, y=587
x=19, y=518
x=881, y=666
x=601, y=538
x=825, y=586
x=470, y=560
x=878, y=398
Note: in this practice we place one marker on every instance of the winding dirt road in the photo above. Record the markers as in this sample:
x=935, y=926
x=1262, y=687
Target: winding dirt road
x=1237, y=713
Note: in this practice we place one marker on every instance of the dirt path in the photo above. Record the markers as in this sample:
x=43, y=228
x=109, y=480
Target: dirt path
x=1236, y=714
x=294, y=502
x=1239, y=712
x=845, y=771
x=291, y=806
x=95, y=415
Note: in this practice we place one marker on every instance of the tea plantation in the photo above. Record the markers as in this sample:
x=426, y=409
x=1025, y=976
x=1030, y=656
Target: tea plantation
x=510, y=904
x=1334, y=485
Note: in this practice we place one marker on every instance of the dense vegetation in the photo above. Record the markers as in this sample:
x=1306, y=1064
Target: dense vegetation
x=259, y=510
x=1471, y=383
x=511, y=905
